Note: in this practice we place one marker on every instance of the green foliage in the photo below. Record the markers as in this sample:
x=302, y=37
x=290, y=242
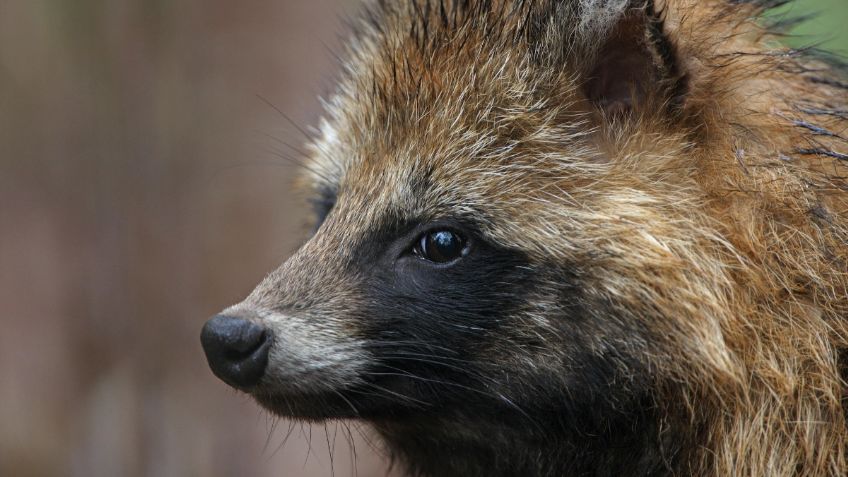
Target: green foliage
x=828, y=27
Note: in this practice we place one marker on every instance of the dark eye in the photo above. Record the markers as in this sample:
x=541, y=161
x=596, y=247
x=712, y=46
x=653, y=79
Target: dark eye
x=441, y=246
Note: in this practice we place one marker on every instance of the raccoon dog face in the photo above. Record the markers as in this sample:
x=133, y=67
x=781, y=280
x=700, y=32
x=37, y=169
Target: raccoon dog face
x=484, y=242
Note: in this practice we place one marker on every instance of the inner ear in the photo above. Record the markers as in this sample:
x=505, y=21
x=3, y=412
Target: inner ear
x=636, y=64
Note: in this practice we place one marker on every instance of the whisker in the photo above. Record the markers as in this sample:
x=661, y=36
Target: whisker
x=292, y=426
x=274, y=422
x=491, y=394
x=389, y=392
x=352, y=407
x=297, y=150
x=330, y=450
x=295, y=162
x=285, y=116
x=351, y=443
x=308, y=444
x=412, y=357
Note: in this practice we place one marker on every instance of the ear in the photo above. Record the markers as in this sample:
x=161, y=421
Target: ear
x=635, y=64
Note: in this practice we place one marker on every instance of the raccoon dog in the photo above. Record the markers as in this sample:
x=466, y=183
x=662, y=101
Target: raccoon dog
x=568, y=237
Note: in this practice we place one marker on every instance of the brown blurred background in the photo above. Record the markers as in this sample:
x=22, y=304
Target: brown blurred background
x=141, y=191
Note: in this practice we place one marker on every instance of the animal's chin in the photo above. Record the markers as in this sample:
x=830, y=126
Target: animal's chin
x=348, y=404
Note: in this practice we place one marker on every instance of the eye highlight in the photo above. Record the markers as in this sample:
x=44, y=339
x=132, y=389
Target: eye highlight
x=441, y=246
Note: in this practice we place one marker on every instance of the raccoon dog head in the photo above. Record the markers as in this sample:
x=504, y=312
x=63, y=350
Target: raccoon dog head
x=509, y=222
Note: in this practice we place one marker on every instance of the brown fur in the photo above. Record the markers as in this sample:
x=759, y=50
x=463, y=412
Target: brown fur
x=731, y=222
x=715, y=223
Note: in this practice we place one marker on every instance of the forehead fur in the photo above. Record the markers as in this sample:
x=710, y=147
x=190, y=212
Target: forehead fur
x=474, y=108
x=471, y=107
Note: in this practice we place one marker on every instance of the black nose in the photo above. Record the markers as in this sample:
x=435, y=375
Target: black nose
x=237, y=349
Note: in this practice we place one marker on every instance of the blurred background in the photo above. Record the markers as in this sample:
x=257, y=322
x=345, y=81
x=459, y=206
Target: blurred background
x=143, y=187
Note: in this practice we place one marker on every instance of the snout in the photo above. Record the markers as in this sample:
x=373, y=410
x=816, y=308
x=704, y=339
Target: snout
x=237, y=349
